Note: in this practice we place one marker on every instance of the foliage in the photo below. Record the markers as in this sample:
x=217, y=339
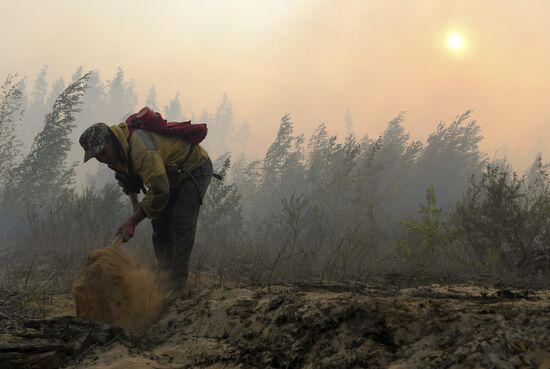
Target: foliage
x=428, y=238
x=172, y=111
x=504, y=218
x=321, y=208
x=120, y=99
x=453, y=153
x=57, y=88
x=221, y=213
x=278, y=154
x=221, y=222
x=220, y=127
x=10, y=115
x=44, y=174
x=151, y=100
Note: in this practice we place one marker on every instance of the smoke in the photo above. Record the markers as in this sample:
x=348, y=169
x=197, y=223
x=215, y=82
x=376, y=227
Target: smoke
x=313, y=59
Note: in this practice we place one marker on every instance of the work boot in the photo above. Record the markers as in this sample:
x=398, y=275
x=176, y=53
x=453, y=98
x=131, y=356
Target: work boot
x=175, y=286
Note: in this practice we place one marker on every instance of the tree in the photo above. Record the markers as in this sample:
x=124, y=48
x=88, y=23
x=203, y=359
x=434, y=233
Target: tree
x=38, y=98
x=94, y=100
x=339, y=182
x=172, y=111
x=77, y=74
x=248, y=178
x=321, y=149
x=10, y=114
x=221, y=213
x=151, y=100
x=94, y=109
x=427, y=238
x=221, y=221
x=503, y=219
x=278, y=152
x=44, y=173
x=451, y=156
x=57, y=87
x=388, y=164
x=24, y=99
x=221, y=127
x=240, y=138
x=293, y=171
x=121, y=98
x=283, y=170
x=37, y=105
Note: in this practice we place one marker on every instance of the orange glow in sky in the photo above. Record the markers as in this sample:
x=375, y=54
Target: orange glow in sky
x=311, y=58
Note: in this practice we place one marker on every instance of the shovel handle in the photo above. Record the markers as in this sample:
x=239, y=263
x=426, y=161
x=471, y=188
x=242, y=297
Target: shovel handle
x=117, y=241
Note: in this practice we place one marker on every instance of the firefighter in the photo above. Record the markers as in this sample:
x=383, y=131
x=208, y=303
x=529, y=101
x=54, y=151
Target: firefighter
x=174, y=175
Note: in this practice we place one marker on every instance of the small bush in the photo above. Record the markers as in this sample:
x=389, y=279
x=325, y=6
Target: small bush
x=504, y=219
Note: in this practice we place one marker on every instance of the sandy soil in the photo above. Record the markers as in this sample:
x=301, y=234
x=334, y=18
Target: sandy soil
x=335, y=327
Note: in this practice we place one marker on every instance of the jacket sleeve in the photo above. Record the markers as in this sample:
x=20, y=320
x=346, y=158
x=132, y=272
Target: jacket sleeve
x=150, y=167
x=129, y=184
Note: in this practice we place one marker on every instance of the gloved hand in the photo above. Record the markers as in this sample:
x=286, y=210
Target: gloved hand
x=127, y=231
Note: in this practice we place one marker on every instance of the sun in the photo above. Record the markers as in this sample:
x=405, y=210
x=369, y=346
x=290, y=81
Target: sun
x=455, y=42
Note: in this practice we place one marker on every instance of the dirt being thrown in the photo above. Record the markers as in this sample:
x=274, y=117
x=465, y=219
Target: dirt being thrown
x=112, y=288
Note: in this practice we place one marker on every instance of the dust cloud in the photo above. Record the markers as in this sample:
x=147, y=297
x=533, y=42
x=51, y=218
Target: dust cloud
x=112, y=288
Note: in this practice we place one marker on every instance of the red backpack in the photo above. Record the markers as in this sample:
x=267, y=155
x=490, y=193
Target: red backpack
x=152, y=121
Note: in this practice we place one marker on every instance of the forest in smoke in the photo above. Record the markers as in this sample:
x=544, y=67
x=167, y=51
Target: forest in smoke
x=319, y=208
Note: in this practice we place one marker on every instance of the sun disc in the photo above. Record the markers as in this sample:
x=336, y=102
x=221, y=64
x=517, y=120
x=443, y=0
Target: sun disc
x=455, y=42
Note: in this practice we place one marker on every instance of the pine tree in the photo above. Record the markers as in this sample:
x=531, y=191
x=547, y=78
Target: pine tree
x=94, y=109
x=321, y=150
x=10, y=114
x=221, y=212
x=34, y=115
x=396, y=155
x=24, y=99
x=38, y=98
x=94, y=99
x=221, y=126
x=293, y=171
x=240, y=138
x=57, y=87
x=248, y=178
x=278, y=152
x=44, y=173
x=151, y=100
x=121, y=98
x=77, y=74
x=172, y=111
x=451, y=156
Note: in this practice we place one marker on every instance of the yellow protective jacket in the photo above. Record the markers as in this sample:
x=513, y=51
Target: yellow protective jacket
x=155, y=159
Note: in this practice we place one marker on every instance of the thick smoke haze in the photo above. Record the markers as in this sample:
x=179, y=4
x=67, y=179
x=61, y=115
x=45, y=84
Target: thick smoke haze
x=313, y=59
x=440, y=109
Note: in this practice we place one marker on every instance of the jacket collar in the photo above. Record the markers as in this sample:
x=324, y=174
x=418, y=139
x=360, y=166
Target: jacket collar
x=120, y=131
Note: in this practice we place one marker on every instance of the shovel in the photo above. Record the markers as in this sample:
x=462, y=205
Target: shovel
x=117, y=241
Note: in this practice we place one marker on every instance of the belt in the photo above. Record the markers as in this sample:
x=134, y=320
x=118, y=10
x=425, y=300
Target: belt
x=180, y=171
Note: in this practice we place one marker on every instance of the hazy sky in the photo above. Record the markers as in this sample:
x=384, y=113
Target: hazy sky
x=312, y=58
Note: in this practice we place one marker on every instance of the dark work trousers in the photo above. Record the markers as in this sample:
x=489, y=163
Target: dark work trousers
x=174, y=229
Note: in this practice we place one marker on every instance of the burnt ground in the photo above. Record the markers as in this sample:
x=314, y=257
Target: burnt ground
x=458, y=326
